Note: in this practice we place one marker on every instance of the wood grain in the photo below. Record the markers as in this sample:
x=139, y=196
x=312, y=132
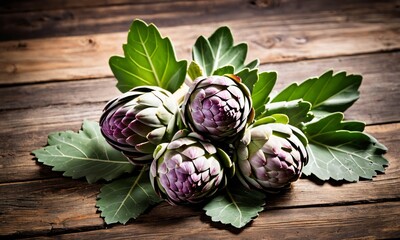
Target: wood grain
x=112, y=18
x=277, y=5
x=69, y=21
x=67, y=93
x=68, y=205
x=339, y=222
x=28, y=5
x=379, y=72
x=272, y=38
x=41, y=207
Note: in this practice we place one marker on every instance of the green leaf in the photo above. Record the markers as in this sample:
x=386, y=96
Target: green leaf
x=253, y=64
x=249, y=77
x=236, y=206
x=149, y=60
x=83, y=154
x=194, y=70
x=327, y=93
x=275, y=118
x=262, y=89
x=333, y=122
x=126, y=198
x=298, y=111
x=218, y=51
x=339, y=150
x=224, y=70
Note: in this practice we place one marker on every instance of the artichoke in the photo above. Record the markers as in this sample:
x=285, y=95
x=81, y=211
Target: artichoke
x=271, y=156
x=189, y=169
x=217, y=107
x=136, y=122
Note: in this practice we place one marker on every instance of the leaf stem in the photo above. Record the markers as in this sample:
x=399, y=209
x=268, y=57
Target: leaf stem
x=144, y=169
x=234, y=202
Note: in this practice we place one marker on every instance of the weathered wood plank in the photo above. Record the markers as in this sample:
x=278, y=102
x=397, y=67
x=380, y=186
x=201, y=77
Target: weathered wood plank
x=28, y=5
x=378, y=70
x=77, y=21
x=17, y=163
x=17, y=143
x=48, y=206
x=272, y=38
x=368, y=221
x=278, y=5
x=15, y=121
x=57, y=93
x=68, y=205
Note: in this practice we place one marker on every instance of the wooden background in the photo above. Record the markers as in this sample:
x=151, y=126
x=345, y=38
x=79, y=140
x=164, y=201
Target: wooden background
x=54, y=73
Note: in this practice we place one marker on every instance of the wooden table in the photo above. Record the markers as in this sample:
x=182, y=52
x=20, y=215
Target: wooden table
x=54, y=73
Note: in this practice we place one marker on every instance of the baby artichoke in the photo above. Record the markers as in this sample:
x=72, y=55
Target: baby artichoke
x=217, y=107
x=136, y=122
x=271, y=156
x=189, y=169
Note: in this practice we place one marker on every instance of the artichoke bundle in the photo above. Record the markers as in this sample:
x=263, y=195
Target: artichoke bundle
x=219, y=138
x=191, y=166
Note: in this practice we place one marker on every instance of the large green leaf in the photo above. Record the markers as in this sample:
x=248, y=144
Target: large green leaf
x=327, y=93
x=83, y=154
x=298, y=111
x=262, y=89
x=149, y=60
x=236, y=206
x=218, y=51
x=340, y=150
x=126, y=198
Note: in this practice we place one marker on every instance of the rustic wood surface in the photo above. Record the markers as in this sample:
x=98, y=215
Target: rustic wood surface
x=54, y=73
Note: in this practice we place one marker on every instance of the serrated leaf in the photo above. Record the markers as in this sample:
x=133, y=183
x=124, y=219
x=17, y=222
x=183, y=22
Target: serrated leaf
x=126, y=198
x=83, y=154
x=339, y=150
x=194, y=70
x=149, y=60
x=298, y=111
x=249, y=77
x=218, y=51
x=327, y=93
x=236, y=206
x=262, y=89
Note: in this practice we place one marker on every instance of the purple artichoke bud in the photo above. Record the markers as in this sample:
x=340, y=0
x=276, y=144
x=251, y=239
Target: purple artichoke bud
x=217, y=107
x=137, y=121
x=189, y=169
x=271, y=156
